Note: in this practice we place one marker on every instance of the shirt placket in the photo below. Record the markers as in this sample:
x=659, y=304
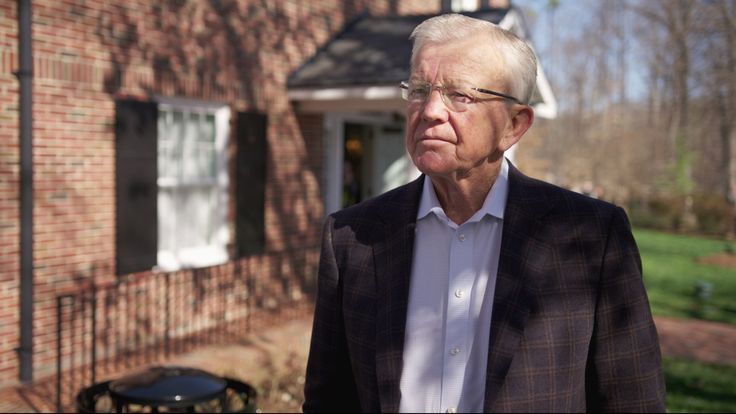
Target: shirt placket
x=456, y=346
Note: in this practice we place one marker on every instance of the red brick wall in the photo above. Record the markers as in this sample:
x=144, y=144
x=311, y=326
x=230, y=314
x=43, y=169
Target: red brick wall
x=87, y=53
x=9, y=182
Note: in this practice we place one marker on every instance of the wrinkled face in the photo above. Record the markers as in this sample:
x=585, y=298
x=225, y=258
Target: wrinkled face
x=455, y=144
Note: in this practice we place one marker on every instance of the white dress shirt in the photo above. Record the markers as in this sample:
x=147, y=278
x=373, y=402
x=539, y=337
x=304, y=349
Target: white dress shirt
x=448, y=322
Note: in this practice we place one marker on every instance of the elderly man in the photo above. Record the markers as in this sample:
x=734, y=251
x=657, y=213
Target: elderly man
x=476, y=288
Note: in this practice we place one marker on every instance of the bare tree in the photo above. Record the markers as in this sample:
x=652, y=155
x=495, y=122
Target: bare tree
x=674, y=18
x=670, y=136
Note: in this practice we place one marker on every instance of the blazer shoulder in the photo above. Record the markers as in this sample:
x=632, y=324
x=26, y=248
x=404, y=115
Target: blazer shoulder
x=545, y=196
x=579, y=201
x=398, y=202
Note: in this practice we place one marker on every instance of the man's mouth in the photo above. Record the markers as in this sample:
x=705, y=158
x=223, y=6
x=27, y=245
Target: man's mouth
x=425, y=138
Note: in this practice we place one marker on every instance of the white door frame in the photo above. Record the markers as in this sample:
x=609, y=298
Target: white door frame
x=334, y=151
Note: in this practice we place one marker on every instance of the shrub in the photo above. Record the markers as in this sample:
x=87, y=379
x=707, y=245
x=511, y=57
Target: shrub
x=664, y=212
x=714, y=213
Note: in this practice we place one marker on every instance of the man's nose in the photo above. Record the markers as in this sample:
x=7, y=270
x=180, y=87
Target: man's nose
x=434, y=108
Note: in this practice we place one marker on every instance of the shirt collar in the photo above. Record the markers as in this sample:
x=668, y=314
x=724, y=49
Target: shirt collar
x=494, y=204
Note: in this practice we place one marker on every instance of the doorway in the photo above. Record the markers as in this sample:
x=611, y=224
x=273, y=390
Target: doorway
x=374, y=160
x=364, y=157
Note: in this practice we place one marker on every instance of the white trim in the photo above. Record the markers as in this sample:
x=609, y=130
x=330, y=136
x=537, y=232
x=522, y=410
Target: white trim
x=333, y=159
x=356, y=105
x=222, y=131
x=464, y=5
x=186, y=103
x=349, y=92
x=191, y=257
x=510, y=22
x=548, y=107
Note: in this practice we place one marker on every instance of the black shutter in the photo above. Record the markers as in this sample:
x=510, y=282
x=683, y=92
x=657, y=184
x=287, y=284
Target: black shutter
x=136, y=173
x=251, y=182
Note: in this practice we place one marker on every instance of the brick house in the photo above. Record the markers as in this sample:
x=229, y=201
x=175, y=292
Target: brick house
x=175, y=136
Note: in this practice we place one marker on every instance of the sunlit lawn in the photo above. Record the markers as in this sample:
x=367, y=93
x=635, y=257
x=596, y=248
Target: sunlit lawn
x=698, y=387
x=671, y=272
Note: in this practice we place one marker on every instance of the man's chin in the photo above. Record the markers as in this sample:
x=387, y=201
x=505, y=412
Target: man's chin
x=434, y=163
x=435, y=170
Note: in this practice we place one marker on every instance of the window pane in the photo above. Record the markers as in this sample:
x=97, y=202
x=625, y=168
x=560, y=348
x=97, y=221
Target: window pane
x=207, y=132
x=191, y=209
x=169, y=145
x=198, y=152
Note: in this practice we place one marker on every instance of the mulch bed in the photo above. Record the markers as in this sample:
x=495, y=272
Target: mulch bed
x=720, y=259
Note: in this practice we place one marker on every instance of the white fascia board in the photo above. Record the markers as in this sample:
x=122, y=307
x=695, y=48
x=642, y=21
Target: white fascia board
x=343, y=93
x=510, y=22
x=548, y=107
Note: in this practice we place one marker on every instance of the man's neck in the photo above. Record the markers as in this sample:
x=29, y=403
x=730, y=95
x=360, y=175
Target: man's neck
x=461, y=197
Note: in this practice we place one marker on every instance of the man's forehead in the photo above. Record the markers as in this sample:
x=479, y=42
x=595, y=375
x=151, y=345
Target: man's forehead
x=458, y=61
x=473, y=47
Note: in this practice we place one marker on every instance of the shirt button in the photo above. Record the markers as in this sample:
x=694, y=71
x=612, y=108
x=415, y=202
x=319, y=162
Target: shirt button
x=461, y=237
x=451, y=410
x=455, y=351
x=459, y=293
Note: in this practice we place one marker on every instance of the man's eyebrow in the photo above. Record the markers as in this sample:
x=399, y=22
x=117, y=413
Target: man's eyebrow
x=458, y=79
x=449, y=83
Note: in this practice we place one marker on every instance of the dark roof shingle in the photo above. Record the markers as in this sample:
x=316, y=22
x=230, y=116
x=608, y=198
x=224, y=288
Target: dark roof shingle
x=369, y=51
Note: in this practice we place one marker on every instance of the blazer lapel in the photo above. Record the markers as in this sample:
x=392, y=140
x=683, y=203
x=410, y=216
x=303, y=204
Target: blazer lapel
x=393, y=255
x=513, y=296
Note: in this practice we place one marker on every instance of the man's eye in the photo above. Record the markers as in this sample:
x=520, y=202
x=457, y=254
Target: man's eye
x=459, y=96
x=418, y=92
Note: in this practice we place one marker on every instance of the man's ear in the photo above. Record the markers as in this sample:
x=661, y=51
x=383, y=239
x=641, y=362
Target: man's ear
x=522, y=118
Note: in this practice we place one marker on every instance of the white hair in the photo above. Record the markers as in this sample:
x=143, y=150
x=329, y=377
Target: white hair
x=520, y=63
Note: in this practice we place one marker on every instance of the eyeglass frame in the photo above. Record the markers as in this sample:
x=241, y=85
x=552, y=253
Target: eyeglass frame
x=404, y=85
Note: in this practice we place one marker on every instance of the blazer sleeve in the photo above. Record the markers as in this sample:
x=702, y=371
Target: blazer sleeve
x=624, y=371
x=329, y=384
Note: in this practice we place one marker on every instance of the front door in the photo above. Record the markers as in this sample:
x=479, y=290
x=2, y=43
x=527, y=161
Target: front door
x=374, y=160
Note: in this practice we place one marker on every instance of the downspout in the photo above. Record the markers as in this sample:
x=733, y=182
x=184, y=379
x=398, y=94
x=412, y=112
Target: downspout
x=25, y=76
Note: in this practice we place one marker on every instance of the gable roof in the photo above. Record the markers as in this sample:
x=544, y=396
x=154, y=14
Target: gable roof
x=371, y=50
x=362, y=66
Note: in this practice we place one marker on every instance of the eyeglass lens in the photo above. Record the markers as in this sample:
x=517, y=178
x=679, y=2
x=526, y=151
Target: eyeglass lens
x=456, y=99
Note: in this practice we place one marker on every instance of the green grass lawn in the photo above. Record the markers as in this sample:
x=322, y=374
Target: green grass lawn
x=671, y=272
x=697, y=387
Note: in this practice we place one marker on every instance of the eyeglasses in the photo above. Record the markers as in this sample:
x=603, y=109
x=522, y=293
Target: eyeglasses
x=456, y=99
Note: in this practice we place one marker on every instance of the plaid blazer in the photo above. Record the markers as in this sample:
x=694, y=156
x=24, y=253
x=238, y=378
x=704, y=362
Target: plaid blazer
x=571, y=328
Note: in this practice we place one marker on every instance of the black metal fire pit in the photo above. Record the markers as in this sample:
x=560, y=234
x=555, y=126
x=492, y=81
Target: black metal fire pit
x=169, y=389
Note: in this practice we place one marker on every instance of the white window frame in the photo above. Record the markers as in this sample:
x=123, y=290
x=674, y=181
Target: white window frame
x=464, y=5
x=216, y=252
